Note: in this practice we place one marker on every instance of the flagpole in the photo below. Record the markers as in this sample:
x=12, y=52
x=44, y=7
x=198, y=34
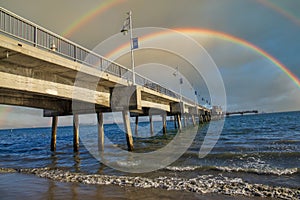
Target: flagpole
x=131, y=48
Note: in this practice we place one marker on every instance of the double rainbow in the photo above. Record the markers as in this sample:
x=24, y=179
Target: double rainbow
x=108, y=4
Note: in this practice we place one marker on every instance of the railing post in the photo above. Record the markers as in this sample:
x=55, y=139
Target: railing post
x=75, y=59
x=35, y=36
x=100, y=63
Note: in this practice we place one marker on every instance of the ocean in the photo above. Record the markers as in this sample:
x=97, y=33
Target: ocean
x=261, y=150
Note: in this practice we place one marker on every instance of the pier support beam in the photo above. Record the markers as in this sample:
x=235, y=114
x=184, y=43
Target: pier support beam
x=136, y=124
x=53, y=133
x=100, y=131
x=164, y=121
x=75, y=133
x=128, y=130
x=151, y=124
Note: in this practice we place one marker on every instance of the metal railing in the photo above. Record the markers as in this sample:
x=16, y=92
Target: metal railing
x=26, y=31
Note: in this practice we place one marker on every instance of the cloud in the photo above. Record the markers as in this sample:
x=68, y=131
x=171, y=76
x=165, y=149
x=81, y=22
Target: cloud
x=250, y=80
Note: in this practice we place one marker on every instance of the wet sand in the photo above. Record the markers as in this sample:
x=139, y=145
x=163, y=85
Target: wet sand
x=27, y=186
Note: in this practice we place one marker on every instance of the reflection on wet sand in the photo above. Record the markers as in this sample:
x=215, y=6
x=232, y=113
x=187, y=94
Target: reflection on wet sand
x=22, y=186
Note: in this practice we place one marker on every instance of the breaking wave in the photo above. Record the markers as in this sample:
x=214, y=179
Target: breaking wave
x=268, y=171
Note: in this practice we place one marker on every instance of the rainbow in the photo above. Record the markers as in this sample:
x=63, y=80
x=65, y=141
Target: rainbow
x=84, y=19
x=218, y=35
x=278, y=9
x=106, y=5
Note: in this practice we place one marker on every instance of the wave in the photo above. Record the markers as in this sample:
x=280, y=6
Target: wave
x=267, y=171
x=200, y=184
x=7, y=170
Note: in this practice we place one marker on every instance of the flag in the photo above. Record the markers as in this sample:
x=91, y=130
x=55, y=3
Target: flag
x=135, y=43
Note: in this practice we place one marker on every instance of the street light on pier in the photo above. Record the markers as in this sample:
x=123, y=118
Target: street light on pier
x=176, y=73
x=127, y=26
x=196, y=93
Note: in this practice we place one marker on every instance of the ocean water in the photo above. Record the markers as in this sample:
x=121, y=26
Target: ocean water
x=262, y=148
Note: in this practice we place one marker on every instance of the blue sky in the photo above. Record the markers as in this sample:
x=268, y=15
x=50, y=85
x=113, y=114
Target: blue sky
x=251, y=81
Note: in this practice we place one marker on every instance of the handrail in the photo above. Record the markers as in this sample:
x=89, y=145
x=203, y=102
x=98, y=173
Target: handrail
x=29, y=32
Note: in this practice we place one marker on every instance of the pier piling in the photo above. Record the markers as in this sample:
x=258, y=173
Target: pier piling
x=54, y=131
x=136, y=124
x=100, y=131
x=128, y=130
x=175, y=122
x=75, y=133
x=193, y=120
x=201, y=121
x=179, y=122
x=151, y=125
x=164, y=120
x=184, y=121
x=204, y=118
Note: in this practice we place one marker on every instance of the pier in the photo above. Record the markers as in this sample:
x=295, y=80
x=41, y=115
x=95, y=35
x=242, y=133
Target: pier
x=242, y=112
x=40, y=69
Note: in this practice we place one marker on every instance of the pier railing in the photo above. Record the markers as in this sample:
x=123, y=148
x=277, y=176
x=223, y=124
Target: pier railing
x=31, y=33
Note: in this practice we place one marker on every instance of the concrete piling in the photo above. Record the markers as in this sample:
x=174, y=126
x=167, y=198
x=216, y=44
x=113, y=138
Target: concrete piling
x=184, y=121
x=136, y=124
x=100, y=131
x=151, y=124
x=164, y=121
x=179, y=122
x=128, y=130
x=54, y=131
x=75, y=133
x=175, y=122
x=201, y=120
x=193, y=120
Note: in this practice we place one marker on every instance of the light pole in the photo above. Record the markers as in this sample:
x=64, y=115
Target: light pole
x=195, y=97
x=180, y=82
x=128, y=26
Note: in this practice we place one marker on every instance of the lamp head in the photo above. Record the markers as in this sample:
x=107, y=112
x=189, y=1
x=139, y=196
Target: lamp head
x=124, y=31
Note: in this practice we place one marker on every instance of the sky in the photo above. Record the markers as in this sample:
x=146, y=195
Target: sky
x=252, y=43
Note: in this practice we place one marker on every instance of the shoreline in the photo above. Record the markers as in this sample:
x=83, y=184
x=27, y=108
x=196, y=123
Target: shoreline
x=206, y=185
x=14, y=185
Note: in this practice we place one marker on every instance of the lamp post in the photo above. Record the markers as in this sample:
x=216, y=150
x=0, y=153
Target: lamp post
x=195, y=97
x=128, y=26
x=180, y=82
